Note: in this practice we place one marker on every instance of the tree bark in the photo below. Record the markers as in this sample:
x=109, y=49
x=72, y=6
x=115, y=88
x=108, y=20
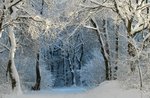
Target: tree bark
x=140, y=74
x=38, y=75
x=147, y=7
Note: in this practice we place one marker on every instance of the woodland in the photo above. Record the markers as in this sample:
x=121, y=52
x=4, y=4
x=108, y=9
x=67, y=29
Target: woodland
x=50, y=44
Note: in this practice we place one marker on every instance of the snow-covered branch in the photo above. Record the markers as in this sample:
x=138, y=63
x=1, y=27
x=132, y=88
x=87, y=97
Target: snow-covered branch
x=5, y=46
x=143, y=6
x=90, y=27
x=14, y=3
x=129, y=12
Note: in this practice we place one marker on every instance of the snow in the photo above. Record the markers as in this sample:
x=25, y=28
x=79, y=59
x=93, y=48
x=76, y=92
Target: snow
x=107, y=89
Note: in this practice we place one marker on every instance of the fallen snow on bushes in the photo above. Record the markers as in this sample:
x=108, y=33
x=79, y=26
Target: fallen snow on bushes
x=108, y=89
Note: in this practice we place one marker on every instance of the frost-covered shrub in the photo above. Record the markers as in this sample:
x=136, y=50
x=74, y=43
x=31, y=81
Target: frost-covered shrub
x=47, y=79
x=93, y=73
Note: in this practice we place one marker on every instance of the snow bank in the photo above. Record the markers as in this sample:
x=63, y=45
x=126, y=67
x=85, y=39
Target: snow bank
x=108, y=89
x=112, y=89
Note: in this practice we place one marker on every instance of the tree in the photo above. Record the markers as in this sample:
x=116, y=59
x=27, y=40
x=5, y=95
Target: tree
x=9, y=13
x=134, y=14
x=8, y=23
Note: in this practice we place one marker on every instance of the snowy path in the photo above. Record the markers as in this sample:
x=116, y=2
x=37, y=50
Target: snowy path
x=105, y=90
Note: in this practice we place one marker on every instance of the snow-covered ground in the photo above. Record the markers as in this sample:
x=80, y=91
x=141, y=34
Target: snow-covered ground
x=108, y=89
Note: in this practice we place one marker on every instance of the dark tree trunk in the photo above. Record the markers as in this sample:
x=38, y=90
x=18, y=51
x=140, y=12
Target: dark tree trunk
x=42, y=7
x=147, y=7
x=137, y=1
x=115, y=68
x=1, y=20
x=2, y=17
x=132, y=53
x=9, y=70
x=38, y=75
x=131, y=48
x=103, y=51
x=129, y=26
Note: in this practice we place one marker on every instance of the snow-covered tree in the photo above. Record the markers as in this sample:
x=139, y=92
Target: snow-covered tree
x=9, y=20
x=134, y=14
x=8, y=14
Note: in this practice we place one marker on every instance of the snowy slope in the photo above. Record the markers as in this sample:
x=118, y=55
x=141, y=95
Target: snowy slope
x=108, y=89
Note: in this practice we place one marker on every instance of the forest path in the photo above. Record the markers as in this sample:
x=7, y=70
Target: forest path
x=108, y=89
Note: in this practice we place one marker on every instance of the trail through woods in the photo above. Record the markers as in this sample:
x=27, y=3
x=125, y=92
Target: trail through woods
x=108, y=89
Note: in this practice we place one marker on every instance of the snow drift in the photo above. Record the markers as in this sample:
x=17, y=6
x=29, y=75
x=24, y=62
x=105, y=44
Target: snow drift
x=108, y=89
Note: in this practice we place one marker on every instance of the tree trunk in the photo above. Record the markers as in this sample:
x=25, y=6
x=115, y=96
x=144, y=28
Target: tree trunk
x=147, y=7
x=38, y=75
x=140, y=74
x=11, y=68
x=72, y=70
x=137, y=1
x=117, y=57
x=131, y=48
x=103, y=50
x=1, y=22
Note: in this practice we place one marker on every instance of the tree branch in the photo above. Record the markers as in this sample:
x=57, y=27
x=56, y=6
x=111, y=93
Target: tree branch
x=14, y=3
x=5, y=46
